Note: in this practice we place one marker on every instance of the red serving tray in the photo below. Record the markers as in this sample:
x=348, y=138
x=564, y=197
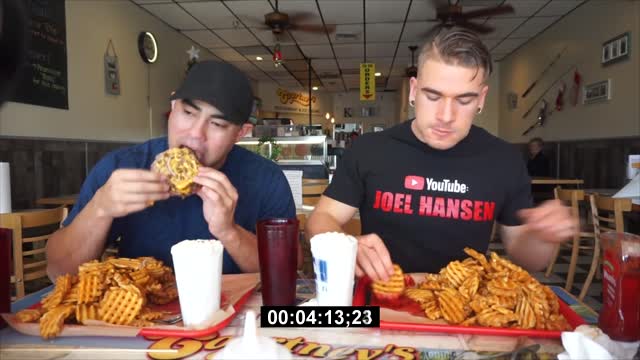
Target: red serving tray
x=362, y=291
x=237, y=288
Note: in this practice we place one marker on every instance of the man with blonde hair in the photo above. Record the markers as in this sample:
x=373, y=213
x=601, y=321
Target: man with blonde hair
x=435, y=184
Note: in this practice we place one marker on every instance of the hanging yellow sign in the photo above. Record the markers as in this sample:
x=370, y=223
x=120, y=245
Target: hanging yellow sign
x=367, y=82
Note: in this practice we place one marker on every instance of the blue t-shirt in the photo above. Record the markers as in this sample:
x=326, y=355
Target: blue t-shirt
x=263, y=192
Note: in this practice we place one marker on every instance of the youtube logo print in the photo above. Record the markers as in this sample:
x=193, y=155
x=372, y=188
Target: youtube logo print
x=413, y=182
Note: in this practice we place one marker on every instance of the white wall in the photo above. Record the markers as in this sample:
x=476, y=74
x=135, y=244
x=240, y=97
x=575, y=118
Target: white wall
x=386, y=113
x=93, y=114
x=583, y=31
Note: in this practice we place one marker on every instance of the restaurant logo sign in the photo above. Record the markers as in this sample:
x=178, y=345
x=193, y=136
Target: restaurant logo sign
x=288, y=97
x=207, y=347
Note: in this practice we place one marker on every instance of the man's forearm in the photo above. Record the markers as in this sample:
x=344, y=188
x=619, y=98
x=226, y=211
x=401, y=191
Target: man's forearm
x=527, y=251
x=242, y=245
x=83, y=240
x=321, y=222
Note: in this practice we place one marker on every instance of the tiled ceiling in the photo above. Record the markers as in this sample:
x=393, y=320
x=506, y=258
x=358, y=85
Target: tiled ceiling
x=381, y=30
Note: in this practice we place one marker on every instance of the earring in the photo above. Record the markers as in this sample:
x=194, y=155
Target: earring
x=412, y=103
x=479, y=110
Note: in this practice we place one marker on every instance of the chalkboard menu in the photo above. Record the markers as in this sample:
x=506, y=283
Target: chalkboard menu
x=44, y=77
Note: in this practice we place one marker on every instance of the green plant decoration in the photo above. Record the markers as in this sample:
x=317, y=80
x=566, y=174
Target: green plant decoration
x=276, y=149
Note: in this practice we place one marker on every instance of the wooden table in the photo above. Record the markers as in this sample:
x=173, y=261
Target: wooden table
x=306, y=343
x=552, y=181
x=64, y=200
x=608, y=192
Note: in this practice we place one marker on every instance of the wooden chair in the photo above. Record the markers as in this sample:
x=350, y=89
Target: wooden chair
x=307, y=258
x=30, y=265
x=615, y=208
x=312, y=189
x=573, y=197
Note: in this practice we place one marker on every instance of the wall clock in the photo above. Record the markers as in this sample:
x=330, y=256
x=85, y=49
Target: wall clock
x=148, y=47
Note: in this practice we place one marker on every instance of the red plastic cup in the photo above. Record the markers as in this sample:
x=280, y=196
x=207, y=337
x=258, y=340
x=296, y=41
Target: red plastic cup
x=278, y=254
x=5, y=273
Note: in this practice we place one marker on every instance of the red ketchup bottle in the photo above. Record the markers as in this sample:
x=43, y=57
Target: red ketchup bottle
x=620, y=314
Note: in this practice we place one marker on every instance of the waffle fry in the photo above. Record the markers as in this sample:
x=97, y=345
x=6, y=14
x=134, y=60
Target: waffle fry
x=526, y=317
x=28, y=315
x=420, y=296
x=457, y=273
x=63, y=285
x=180, y=165
x=116, y=291
x=470, y=286
x=120, y=306
x=494, y=318
x=487, y=292
x=51, y=322
x=164, y=295
x=126, y=263
x=86, y=312
x=89, y=288
x=391, y=289
x=452, y=305
x=432, y=309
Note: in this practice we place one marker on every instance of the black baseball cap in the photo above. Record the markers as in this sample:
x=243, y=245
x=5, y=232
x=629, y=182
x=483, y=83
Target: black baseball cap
x=221, y=85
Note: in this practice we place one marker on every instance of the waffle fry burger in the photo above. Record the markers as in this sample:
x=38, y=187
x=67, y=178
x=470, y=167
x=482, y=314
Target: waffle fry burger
x=180, y=165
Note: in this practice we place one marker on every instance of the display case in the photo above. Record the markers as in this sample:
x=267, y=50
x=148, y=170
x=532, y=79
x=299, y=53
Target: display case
x=290, y=150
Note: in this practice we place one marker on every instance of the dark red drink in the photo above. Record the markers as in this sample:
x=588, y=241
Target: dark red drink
x=5, y=273
x=278, y=254
x=620, y=314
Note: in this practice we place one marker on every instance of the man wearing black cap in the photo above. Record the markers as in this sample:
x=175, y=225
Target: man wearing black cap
x=122, y=199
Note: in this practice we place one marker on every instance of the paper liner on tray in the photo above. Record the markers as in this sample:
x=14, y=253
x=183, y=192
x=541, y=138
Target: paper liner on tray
x=236, y=289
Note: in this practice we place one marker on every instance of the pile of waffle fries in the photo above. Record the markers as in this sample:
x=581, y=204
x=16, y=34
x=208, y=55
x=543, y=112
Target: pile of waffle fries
x=116, y=291
x=480, y=292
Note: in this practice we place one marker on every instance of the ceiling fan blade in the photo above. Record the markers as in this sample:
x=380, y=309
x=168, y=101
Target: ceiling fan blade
x=440, y=3
x=479, y=28
x=492, y=11
x=300, y=17
x=312, y=28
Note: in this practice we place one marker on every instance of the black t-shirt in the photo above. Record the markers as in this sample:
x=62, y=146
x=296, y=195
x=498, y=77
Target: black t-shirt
x=428, y=204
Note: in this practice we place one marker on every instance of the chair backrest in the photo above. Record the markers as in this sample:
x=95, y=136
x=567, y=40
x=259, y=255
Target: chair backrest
x=573, y=198
x=615, y=208
x=31, y=264
x=312, y=190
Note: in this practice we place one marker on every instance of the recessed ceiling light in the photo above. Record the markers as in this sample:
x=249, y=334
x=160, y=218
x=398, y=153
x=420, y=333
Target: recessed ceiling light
x=314, y=88
x=259, y=58
x=378, y=74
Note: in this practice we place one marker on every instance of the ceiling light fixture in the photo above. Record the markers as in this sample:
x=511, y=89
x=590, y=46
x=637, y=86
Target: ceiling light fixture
x=333, y=120
x=314, y=88
x=378, y=74
x=327, y=116
x=259, y=58
x=277, y=56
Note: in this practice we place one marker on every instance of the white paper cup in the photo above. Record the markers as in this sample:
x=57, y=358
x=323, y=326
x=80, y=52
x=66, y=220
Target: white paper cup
x=334, y=262
x=198, y=269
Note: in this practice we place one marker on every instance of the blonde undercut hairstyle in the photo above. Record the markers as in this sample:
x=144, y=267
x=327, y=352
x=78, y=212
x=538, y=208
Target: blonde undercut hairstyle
x=457, y=47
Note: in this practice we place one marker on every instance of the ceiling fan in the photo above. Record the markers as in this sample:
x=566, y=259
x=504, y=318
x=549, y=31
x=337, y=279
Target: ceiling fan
x=450, y=14
x=412, y=71
x=280, y=22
